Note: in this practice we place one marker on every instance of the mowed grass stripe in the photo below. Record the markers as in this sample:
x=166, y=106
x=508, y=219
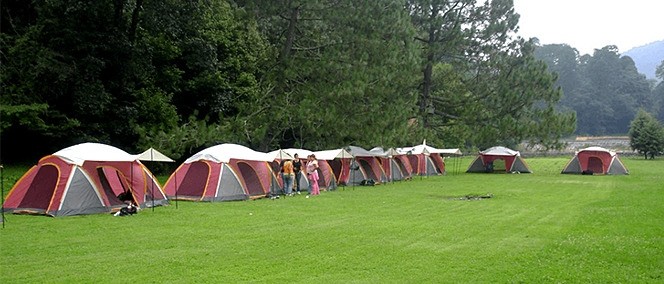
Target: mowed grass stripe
x=540, y=227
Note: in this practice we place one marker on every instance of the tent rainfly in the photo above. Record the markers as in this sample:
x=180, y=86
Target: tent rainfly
x=84, y=179
x=595, y=160
x=486, y=161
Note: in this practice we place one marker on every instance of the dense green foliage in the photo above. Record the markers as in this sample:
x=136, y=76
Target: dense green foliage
x=604, y=89
x=538, y=228
x=183, y=75
x=646, y=135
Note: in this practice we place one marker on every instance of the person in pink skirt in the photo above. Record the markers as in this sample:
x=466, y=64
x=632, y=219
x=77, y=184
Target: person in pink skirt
x=312, y=175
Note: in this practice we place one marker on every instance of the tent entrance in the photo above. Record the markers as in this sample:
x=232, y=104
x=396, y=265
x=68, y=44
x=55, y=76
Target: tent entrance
x=251, y=179
x=499, y=165
x=114, y=184
x=194, y=182
x=367, y=169
x=595, y=165
x=42, y=188
x=336, y=166
x=402, y=167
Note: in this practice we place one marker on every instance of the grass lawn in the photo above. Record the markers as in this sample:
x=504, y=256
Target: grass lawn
x=537, y=228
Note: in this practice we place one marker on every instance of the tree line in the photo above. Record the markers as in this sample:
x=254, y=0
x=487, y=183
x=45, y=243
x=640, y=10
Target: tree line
x=184, y=75
x=604, y=89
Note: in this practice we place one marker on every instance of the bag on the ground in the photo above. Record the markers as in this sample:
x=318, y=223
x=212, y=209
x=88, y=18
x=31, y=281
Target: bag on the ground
x=368, y=182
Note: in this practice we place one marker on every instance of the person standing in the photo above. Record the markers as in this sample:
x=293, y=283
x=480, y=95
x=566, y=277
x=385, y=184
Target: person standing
x=297, y=168
x=288, y=175
x=312, y=175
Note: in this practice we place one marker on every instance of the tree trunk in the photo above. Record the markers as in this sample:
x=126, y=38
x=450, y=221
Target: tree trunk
x=428, y=72
x=134, y=20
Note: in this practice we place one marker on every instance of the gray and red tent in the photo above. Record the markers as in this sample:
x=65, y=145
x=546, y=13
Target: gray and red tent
x=494, y=158
x=595, y=160
x=84, y=179
x=222, y=173
x=367, y=166
x=426, y=160
x=395, y=168
x=335, y=166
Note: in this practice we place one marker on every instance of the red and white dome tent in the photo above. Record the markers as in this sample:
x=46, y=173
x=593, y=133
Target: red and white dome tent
x=595, y=160
x=84, y=179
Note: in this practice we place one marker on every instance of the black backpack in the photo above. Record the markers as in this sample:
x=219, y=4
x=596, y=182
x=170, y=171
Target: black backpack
x=368, y=182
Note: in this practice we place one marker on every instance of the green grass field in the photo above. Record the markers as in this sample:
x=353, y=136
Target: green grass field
x=537, y=228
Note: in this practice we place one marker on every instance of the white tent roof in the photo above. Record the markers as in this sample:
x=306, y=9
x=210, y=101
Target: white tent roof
x=405, y=150
x=597, y=149
x=153, y=156
x=500, y=151
x=280, y=154
x=301, y=153
x=425, y=149
x=385, y=153
x=80, y=153
x=361, y=152
x=332, y=154
x=450, y=152
x=223, y=153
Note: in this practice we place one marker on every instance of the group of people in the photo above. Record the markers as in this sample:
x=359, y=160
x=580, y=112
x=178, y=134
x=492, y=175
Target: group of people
x=291, y=173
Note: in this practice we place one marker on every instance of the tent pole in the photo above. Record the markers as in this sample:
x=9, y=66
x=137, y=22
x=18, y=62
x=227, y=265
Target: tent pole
x=351, y=167
x=425, y=167
x=152, y=182
x=283, y=182
x=391, y=171
x=342, y=168
x=2, y=186
x=175, y=175
x=458, y=164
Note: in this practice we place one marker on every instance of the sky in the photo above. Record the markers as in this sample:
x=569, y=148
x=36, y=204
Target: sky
x=592, y=24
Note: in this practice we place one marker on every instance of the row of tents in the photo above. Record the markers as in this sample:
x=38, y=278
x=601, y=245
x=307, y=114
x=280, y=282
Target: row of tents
x=90, y=178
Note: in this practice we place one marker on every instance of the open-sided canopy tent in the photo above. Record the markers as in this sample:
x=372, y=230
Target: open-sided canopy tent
x=221, y=173
x=275, y=158
x=486, y=159
x=83, y=179
x=368, y=166
x=394, y=167
x=597, y=160
x=302, y=155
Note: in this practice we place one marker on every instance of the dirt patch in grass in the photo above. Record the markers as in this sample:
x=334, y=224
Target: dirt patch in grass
x=471, y=197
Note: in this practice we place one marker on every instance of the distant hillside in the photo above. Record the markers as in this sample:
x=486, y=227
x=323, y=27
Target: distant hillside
x=647, y=57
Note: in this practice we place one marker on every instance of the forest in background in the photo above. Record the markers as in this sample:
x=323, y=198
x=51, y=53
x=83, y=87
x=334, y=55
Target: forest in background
x=604, y=89
x=184, y=75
